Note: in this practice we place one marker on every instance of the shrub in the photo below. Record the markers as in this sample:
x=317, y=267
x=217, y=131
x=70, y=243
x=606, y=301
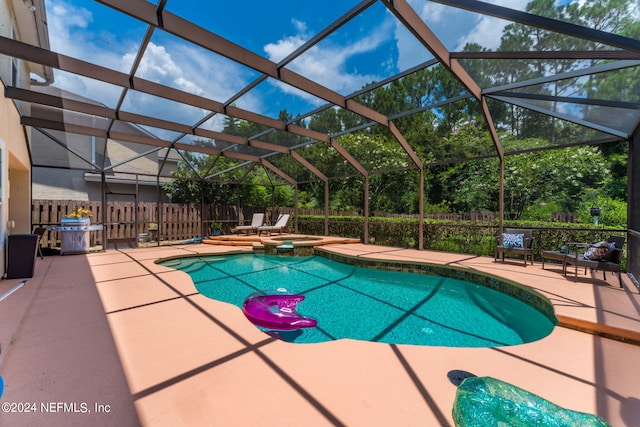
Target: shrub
x=613, y=212
x=455, y=236
x=540, y=211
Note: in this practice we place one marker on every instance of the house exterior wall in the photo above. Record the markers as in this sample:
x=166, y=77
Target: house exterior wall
x=57, y=184
x=130, y=167
x=72, y=184
x=15, y=171
x=15, y=160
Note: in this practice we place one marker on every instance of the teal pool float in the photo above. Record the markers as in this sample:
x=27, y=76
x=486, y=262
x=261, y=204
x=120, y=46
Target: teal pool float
x=486, y=402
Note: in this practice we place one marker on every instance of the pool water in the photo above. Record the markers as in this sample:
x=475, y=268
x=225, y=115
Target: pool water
x=372, y=305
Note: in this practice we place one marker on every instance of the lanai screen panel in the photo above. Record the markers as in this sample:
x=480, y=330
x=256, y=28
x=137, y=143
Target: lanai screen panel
x=247, y=150
x=131, y=158
x=203, y=141
x=236, y=69
x=278, y=100
x=336, y=121
x=526, y=128
x=59, y=118
x=292, y=168
x=430, y=86
x=456, y=27
x=236, y=172
x=633, y=245
x=368, y=48
x=376, y=149
x=603, y=116
x=473, y=17
x=100, y=35
x=71, y=85
x=331, y=120
x=247, y=174
x=161, y=108
x=180, y=64
x=610, y=81
x=282, y=139
x=67, y=150
x=327, y=160
x=572, y=11
x=155, y=135
x=608, y=100
x=468, y=138
x=238, y=127
x=275, y=37
x=201, y=164
x=511, y=53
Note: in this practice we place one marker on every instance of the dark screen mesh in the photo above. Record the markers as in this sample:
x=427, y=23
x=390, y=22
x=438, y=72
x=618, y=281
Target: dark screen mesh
x=633, y=248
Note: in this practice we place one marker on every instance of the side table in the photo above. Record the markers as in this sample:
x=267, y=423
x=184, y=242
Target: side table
x=557, y=256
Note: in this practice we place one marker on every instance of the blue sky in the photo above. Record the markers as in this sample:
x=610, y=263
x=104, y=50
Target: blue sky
x=369, y=48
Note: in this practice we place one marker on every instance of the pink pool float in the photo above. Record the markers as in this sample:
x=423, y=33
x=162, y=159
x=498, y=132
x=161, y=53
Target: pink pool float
x=276, y=310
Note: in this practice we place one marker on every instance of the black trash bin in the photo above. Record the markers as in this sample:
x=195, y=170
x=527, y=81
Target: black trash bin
x=21, y=255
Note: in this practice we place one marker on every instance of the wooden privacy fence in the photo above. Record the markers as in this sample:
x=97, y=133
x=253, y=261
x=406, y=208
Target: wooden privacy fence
x=171, y=222
x=127, y=220
x=176, y=222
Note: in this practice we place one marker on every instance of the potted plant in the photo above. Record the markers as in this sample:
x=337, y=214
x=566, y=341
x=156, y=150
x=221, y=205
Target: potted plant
x=153, y=231
x=78, y=215
x=216, y=228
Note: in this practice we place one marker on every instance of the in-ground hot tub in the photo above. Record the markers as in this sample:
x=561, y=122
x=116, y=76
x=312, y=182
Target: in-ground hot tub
x=297, y=238
x=299, y=245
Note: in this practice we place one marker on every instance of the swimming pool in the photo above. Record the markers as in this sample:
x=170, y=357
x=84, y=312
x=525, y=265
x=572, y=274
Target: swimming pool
x=372, y=305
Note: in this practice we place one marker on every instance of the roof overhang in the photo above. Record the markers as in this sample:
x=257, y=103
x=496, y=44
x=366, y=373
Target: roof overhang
x=31, y=22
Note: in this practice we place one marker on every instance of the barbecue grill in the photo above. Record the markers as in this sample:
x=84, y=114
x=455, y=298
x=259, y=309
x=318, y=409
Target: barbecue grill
x=74, y=235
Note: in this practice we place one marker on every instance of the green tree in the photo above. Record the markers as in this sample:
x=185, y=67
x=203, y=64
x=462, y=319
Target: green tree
x=326, y=121
x=560, y=176
x=189, y=186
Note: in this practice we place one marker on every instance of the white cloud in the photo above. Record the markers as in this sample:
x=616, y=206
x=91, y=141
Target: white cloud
x=436, y=12
x=193, y=70
x=69, y=24
x=411, y=52
x=158, y=65
x=456, y=27
x=441, y=20
x=326, y=63
x=488, y=30
x=279, y=50
x=79, y=17
x=179, y=65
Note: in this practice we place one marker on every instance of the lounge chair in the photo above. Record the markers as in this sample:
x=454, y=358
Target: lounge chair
x=515, y=241
x=280, y=226
x=610, y=258
x=256, y=222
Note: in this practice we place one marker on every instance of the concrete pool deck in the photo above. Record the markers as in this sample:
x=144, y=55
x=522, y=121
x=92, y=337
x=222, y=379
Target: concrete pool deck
x=116, y=331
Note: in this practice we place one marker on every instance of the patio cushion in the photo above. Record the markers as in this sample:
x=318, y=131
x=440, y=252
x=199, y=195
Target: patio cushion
x=512, y=240
x=599, y=251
